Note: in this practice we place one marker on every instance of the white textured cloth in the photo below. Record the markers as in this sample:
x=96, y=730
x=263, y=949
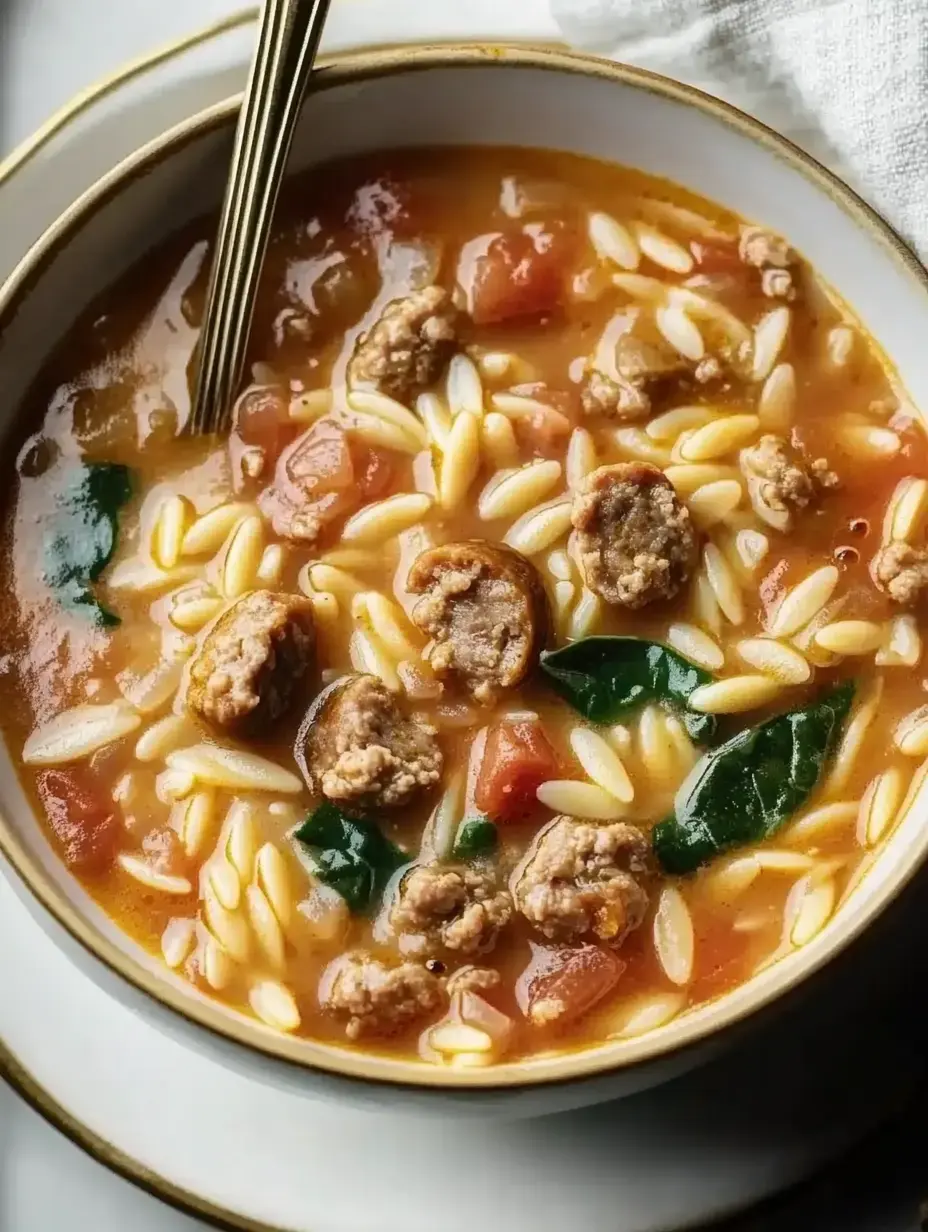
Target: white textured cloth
x=845, y=79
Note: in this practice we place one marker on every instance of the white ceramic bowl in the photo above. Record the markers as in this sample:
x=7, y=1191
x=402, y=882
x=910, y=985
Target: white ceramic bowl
x=459, y=96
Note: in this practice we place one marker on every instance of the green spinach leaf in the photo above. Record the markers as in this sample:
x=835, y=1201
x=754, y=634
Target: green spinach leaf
x=605, y=677
x=476, y=837
x=350, y=854
x=81, y=536
x=743, y=791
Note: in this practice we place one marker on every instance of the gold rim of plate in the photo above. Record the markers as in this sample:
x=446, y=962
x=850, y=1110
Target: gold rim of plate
x=689, y=1028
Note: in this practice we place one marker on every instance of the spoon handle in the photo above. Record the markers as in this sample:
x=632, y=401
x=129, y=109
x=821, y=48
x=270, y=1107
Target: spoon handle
x=288, y=38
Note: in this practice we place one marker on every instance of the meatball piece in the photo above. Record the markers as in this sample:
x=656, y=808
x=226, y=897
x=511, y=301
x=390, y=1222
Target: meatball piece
x=375, y=999
x=902, y=571
x=252, y=662
x=357, y=745
x=486, y=610
x=459, y=909
x=644, y=372
x=779, y=482
x=408, y=347
x=581, y=880
x=473, y=979
x=636, y=541
x=773, y=257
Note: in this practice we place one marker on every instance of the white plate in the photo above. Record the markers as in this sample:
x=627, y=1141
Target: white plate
x=226, y=1146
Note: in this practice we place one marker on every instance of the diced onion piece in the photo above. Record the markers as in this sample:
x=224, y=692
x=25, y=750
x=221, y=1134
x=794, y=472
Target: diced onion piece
x=455, y=1037
x=902, y=646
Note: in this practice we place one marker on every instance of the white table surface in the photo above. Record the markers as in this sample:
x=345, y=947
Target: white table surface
x=49, y=49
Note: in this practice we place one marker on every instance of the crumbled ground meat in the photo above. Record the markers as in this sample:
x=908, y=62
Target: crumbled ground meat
x=902, y=571
x=584, y=880
x=645, y=371
x=708, y=369
x=459, y=909
x=773, y=257
x=357, y=745
x=486, y=610
x=472, y=979
x=252, y=662
x=621, y=399
x=779, y=482
x=408, y=347
x=636, y=541
x=375, y=999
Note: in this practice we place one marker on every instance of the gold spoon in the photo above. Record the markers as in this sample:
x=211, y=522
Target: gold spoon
x=288, y=38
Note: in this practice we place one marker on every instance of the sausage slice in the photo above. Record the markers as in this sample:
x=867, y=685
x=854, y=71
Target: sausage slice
x=484, y=606
x=252, y=662
x=357, y=746
x=637, y=542
x=408, y=347
x=583, y=881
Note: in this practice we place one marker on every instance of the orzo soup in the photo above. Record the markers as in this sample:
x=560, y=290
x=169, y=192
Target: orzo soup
x=537, y=659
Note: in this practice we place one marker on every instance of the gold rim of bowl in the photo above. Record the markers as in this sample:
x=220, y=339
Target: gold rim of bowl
x=691, y=1027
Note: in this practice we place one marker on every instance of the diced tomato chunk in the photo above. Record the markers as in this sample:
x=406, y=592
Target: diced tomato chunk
x=562, y=983
x=81, y=818
x=545, y=432
x=517, y=759
x=319, y=460
x=373, y=471
x=315, y=483
x=523, y=273
x=716, y=256
x=262, y=420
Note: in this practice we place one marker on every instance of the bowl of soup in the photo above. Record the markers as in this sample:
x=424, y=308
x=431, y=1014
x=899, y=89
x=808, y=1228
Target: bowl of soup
x=526, y=688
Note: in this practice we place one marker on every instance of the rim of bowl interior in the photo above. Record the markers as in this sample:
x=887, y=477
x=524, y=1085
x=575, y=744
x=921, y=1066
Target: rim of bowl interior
x=688, y=1029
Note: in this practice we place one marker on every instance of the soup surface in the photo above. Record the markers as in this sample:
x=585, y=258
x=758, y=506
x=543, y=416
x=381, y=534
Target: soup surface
x=537, y=658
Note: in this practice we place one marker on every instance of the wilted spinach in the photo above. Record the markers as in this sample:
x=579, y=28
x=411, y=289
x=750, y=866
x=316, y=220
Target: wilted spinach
x=81, y=535
x=476, y=837
x=605, y=677
x=350, y=854
x=743, y=791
